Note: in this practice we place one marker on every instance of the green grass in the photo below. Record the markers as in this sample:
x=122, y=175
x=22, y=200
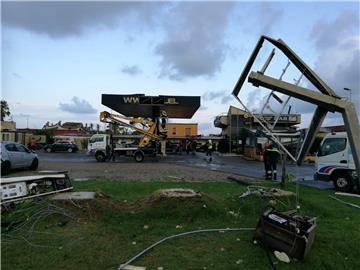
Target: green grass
x=103, y=233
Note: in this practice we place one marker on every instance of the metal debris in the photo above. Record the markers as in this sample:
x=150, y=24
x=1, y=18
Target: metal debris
x=83, y=195
x=347, y=194
x=266, y=192
x=346, y=203
x=177, y=193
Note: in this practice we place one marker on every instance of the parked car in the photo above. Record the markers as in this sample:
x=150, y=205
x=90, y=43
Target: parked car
x=61, y=146
x=15, y=156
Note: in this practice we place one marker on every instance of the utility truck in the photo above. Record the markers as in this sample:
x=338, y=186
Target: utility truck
x=335, y=162
x=104, y=147
x=153, y=134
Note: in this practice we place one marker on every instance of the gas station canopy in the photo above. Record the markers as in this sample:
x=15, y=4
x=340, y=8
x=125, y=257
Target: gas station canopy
x=139, y=105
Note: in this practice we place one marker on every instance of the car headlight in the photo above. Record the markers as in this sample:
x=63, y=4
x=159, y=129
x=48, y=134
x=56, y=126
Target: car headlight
x=354, y=174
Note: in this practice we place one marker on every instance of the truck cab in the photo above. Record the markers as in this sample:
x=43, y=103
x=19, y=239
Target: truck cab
x=98, y=146
x=103, y=147
x=334, y=162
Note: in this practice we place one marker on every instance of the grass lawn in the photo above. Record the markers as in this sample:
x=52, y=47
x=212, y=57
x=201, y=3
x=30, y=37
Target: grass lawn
x=110, y=230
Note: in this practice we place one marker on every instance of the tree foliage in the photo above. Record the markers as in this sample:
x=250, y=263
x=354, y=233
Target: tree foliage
x=5, y=111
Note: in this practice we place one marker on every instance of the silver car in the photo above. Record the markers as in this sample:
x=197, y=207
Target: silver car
x=15, y=156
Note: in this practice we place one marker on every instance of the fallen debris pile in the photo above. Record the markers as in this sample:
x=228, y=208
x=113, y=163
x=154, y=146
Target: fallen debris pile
x=266, y=192
x=176, y=193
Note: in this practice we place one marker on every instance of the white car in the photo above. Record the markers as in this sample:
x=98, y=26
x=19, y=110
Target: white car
x=15, y=156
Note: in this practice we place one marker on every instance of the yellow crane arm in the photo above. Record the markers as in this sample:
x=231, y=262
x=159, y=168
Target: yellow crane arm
x=110, y=118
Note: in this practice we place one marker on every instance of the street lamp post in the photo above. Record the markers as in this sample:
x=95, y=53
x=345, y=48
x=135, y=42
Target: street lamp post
x=348, y=89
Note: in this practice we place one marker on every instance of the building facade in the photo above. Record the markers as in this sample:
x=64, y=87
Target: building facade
x=242, y=133
x=181, y=130
x=8, y=129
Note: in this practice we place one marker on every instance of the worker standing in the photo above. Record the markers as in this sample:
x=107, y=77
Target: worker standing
x=272, y=156
x=188, y=146
x=266, y=158
x=209, y=148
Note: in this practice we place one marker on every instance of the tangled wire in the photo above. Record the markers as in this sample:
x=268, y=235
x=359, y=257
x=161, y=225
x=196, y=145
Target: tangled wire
x=20, y=224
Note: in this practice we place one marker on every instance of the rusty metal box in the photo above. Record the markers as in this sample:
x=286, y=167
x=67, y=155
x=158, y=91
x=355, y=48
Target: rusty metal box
x=287, y=232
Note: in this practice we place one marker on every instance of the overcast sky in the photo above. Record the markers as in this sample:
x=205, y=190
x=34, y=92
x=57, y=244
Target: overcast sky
x=59, y=57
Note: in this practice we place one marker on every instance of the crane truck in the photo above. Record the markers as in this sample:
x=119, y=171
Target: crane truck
x=152, y=140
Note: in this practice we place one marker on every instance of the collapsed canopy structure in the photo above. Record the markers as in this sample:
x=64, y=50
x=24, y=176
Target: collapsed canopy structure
x=326, y=100
x=139, y=105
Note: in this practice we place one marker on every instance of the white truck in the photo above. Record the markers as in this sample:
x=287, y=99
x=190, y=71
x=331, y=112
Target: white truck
x=102, y=147
x=335, y=162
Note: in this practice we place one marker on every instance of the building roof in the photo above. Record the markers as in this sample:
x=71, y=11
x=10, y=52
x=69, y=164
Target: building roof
x=72, y=125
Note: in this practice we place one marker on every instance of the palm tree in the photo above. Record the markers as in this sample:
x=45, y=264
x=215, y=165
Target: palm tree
x=5, y=111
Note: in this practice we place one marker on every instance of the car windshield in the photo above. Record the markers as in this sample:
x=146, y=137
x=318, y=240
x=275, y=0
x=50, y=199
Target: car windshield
x=96, y=139
x=332, y=145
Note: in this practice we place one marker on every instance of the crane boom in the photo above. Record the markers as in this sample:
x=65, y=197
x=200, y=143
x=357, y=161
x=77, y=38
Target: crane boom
x=149, y=134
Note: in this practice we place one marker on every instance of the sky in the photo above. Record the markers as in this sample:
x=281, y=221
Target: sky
x=59, y=57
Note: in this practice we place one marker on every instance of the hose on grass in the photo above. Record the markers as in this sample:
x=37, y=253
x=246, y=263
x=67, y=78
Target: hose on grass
x=121, y=266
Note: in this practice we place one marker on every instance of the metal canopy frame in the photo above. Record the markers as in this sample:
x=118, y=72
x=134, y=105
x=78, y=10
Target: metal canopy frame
x=326, y=101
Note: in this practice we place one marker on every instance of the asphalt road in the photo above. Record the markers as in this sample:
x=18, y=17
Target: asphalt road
x=170, y=168
x=226, y=164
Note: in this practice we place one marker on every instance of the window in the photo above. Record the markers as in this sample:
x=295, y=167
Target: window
x=187, y=131
x=21, y=148
x=5, y=136
x=96, y=139
x=332, y=145
x=11, y=147
x=174, y=131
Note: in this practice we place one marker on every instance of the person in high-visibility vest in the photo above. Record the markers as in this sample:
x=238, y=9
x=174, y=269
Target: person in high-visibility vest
x=272, y=156
x=266, y=158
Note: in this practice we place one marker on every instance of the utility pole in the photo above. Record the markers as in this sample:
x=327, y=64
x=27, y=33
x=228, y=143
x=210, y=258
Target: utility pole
x=284, y=170
x=348, y=89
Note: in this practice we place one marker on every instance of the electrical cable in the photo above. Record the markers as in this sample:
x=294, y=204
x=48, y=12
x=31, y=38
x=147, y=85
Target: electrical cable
x=121, y=266
x=266, y=245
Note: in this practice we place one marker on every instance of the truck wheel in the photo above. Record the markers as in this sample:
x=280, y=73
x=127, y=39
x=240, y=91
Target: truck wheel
x=5, y=167
x=100, y=157
x=343, y=182
x=138, y=156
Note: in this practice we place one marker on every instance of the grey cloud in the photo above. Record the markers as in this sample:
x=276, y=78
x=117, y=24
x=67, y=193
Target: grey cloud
x=206, y=128
x=131, y=70
x=226, y=99
x=62, y=19
x=338, y=62
x=337, y=45
x=203, y=108
x=21, y=115
x=259, y=18
x=16, y=75
x=77, y=106
x=269, y=16
x=254, y=99
x=325, y=34
x=193, y=44
x=210, y=95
